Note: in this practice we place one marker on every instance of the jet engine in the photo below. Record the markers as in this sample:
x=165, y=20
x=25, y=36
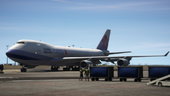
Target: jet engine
x=85, y=63
x=123, y=62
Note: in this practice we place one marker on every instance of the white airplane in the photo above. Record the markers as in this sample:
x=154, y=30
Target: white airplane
x=30, y=53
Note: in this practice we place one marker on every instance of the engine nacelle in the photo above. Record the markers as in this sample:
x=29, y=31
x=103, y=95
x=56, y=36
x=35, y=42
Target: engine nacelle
x=85, y=63
x=123, y=62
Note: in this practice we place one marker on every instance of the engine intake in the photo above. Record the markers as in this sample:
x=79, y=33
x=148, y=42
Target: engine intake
x=123, y=62
x=85, y=63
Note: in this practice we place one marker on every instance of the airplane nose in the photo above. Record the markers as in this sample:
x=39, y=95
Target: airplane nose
x=13, y=54
x=18, y=54
x=10, y=53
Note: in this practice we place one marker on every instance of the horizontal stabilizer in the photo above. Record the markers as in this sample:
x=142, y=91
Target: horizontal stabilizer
x=119, y=52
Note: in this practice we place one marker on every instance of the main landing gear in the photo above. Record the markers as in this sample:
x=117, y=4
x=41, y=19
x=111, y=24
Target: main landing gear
x=54, y=68
x=23, y=69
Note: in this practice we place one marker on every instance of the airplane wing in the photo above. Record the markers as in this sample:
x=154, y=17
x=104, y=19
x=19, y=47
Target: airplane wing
x=111, y=57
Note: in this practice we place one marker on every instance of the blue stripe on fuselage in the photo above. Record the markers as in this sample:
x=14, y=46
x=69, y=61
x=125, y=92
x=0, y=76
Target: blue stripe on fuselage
x=23, y=55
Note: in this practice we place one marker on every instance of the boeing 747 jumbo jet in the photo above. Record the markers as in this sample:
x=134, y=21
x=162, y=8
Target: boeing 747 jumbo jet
x=30, y=53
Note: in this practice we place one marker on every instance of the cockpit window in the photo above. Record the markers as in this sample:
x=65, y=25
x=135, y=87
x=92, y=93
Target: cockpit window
x=20, y=42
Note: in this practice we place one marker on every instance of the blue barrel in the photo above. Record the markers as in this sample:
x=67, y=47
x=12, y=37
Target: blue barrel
x=156, y=72
x=130, y=72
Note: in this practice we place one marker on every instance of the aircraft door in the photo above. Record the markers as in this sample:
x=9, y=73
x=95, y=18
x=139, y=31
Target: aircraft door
x=38, y=50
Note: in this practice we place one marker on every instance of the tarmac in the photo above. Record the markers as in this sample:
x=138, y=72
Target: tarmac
x=67, y=83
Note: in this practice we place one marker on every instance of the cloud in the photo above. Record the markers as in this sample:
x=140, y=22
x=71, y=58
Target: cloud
x=7, y=28
x=18, y=29
x=62, y=1
x=113, y=6
x=142, y=5
x=149, y=46
x=73, y=2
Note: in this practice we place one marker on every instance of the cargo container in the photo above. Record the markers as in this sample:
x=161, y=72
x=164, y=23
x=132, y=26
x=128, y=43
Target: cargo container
x=157, y=72
x=101, y=72
x=1, y=67
x=130, y=72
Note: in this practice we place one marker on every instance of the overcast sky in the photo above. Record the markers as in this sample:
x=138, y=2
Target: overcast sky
x=141, y=26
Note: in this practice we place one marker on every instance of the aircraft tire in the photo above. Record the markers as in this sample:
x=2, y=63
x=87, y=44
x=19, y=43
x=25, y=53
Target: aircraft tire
x=121, y=79
x=54, y=68
x=92, y=79
x=97, y=79
x=159, y=84
x=23, y=70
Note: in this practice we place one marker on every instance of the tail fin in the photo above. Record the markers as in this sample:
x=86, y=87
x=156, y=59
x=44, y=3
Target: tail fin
x=103, y=45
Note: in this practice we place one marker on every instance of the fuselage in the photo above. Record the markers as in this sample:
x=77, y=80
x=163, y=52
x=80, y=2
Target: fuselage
x=30, y=52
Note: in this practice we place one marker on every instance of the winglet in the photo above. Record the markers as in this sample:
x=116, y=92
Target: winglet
x=166, y=54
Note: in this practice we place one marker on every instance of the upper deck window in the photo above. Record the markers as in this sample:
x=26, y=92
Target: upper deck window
x=21, y=42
